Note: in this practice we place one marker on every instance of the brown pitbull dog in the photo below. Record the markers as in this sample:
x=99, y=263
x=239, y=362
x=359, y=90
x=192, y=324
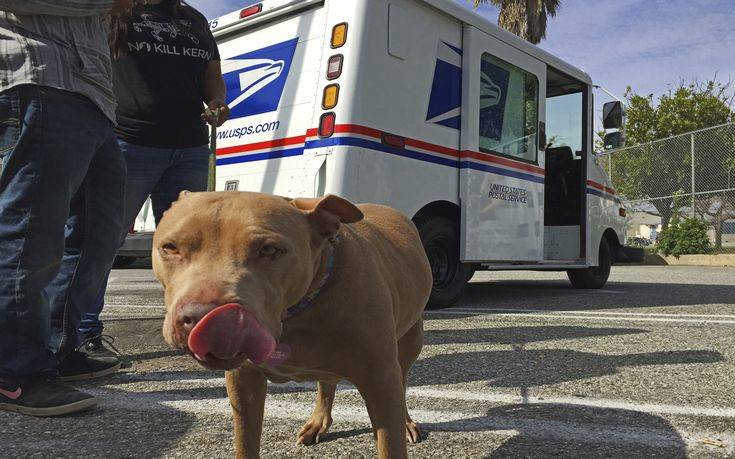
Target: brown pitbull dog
x=297, y=290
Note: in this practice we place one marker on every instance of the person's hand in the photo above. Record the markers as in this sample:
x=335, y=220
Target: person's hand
x=121, y=6
x=216, y=113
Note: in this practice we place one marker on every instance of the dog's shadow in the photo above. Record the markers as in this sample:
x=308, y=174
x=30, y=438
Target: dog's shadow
x=547, y=430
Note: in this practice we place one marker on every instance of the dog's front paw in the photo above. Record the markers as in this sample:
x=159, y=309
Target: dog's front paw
x=413, y=433
x=315, y=427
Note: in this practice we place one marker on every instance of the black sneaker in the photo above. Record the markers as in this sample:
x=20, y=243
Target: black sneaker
x=97, y=346
x=43, y=397
x=78, y=366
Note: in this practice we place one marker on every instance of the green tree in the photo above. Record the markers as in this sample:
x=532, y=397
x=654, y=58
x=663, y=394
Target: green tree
x=525, y=18
x=657, y=169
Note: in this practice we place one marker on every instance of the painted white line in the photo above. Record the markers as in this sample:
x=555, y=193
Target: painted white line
x=594, y=403
x=590, y=318
x=452, y=394
x=609, y=313
x=134, y=306
x=492, y=423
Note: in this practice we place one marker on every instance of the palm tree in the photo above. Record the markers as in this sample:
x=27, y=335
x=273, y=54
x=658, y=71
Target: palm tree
x=525, y=18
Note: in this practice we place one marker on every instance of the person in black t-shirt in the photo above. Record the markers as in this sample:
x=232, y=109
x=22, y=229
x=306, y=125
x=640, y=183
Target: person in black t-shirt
x=166, y=67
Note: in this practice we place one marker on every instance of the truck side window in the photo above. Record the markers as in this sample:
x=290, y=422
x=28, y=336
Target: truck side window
x=508, y=109
x=564, y=121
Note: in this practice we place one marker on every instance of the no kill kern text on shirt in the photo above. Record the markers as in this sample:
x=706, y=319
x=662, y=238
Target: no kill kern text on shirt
x=171, y=50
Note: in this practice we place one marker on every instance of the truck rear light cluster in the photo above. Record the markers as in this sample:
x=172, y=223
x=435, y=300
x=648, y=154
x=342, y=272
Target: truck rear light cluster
x=330, y=98
x=251, y=10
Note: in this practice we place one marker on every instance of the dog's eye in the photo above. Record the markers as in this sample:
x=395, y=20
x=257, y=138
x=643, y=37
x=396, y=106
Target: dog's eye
x=169, y=249
x=269, y=251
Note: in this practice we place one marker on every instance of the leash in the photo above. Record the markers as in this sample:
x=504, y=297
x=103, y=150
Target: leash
x=213, y=116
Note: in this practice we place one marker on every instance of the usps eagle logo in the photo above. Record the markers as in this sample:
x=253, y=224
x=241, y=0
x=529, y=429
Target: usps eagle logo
x=256, y=80
x=490, y=93
x=446, y=90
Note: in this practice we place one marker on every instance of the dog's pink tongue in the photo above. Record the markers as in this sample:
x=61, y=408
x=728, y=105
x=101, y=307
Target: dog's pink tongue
x=229, y=331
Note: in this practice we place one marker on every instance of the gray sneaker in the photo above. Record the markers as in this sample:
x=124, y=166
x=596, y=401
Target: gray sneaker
x=42, y=397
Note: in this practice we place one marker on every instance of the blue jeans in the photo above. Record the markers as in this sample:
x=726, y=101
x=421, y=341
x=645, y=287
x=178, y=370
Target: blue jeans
x=60, y=161
x=162, y=174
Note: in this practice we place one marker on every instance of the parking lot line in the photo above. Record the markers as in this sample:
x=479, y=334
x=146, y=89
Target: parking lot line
x=612, y=313
x=580, y=315
x=134, y=306
x=726, y=412
x=499, y=424
x=464, y=395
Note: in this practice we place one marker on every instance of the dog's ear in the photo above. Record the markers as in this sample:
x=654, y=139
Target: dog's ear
x=327, y=213
x=184, y=194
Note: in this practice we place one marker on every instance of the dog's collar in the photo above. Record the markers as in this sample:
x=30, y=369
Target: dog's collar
x=311, y=296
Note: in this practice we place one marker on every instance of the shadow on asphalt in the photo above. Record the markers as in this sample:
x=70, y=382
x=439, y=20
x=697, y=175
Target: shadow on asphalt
x=521, y=335
x=628, y=433
x=559, y=295
x=151, y=355
x=538, y=367
x=107, y=431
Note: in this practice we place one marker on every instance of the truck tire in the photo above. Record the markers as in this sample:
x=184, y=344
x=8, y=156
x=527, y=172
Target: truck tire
x=440, y=238
x=595, y=276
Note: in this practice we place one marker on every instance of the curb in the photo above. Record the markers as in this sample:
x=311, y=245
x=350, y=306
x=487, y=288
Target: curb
x=720, y=260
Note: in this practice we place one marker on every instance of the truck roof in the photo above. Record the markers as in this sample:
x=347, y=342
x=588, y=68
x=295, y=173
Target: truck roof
x=231, y=22
x=468, y=17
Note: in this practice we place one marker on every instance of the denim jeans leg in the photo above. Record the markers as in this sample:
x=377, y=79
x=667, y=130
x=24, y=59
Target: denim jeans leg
x=188, y=171
x=145, y=167
x=47, y=139
x=91, y=325
x=95, y=224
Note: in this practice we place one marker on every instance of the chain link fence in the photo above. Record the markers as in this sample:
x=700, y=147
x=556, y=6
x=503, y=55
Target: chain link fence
x=692, y=174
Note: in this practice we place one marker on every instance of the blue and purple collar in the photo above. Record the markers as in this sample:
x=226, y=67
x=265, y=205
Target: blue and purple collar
x=312, y=295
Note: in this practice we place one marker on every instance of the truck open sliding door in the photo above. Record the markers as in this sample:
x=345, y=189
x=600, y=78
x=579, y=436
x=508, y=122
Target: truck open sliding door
x=501, y=165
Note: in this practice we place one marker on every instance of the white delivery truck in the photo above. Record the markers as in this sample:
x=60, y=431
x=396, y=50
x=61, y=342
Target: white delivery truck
x=482, y=138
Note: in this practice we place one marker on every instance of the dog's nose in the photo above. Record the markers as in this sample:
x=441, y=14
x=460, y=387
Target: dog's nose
x=190, y=314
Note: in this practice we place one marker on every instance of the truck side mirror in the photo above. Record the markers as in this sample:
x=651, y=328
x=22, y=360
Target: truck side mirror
x=614, y=140
x=612, y=115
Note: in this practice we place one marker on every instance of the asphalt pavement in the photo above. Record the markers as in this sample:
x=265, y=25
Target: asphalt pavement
x=524, y=366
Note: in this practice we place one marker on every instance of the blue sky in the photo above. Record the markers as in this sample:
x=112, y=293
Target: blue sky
x=647, y=44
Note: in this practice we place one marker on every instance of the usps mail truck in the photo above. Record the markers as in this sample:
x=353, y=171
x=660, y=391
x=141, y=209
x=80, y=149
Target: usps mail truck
x=483, y=139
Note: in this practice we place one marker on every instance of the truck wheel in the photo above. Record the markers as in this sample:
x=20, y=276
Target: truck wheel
x=440, y=238
x=595, y=276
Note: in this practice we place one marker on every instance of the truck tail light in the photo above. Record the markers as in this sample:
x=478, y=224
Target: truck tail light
x=334, y=67
x=326, y=124
x=339, y=35
x=251, y=10
x=331, y=97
